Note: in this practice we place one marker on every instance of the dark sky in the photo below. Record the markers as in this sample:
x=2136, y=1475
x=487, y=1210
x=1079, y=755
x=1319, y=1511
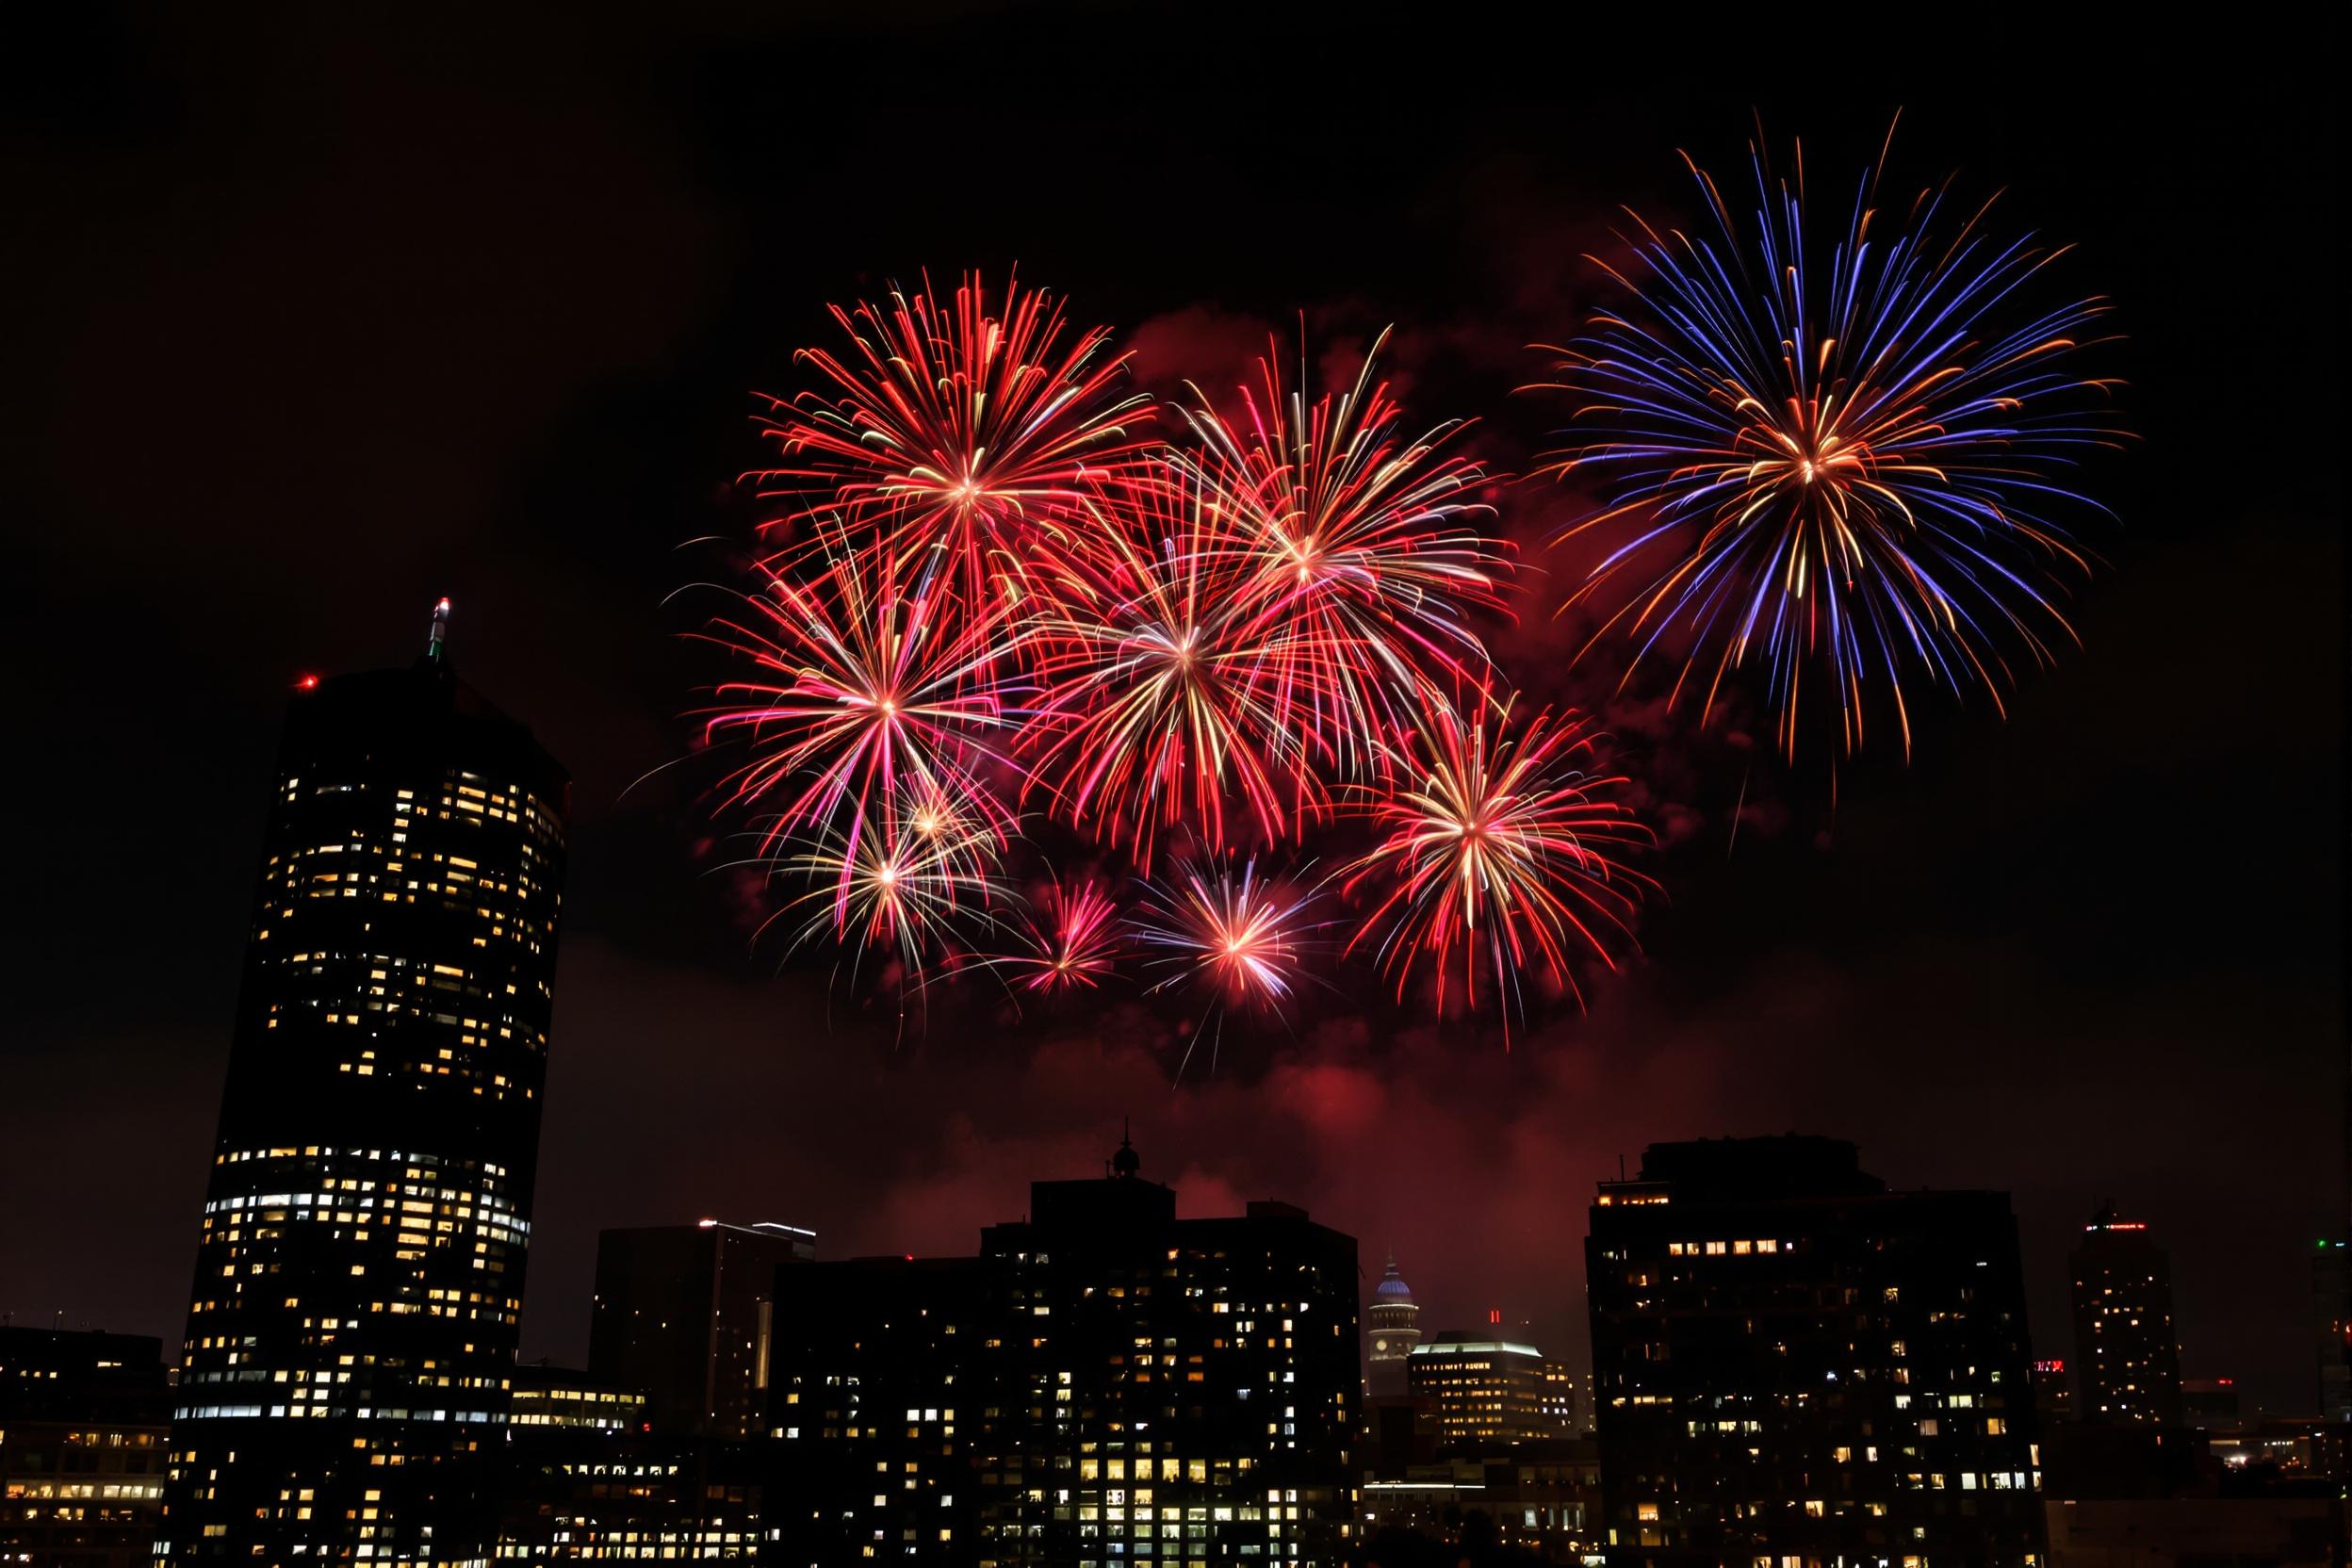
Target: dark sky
x=305, y=323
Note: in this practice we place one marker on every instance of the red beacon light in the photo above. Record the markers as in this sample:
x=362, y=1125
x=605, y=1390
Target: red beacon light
x=307, y=683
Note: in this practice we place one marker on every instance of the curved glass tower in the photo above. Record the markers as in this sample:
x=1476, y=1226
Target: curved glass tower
x=359, y=1278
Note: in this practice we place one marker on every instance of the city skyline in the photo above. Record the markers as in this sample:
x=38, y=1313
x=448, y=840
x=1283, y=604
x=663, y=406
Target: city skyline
x=509, y=352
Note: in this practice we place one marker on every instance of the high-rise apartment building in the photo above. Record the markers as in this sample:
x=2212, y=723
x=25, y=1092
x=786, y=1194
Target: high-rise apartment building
x=2127, y=1353
x=359, y=1275
x=682, y=1316
x=1104, y=1383
x=1792, y=1363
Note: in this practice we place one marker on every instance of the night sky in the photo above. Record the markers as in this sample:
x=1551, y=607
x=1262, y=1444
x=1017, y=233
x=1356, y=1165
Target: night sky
x=307, y=324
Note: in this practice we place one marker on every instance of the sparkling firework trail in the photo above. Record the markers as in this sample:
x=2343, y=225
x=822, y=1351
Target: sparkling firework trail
x=1236, y=938
x=1853, y=459
x=959, y=435
x=1165, y=699
x=869, y=692
x=908, y=892
x=1499, y=846
x=1363, y=540
x=1073, y=943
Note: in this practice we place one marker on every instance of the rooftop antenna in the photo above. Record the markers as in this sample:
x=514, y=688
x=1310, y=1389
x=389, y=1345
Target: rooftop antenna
x=434, y=649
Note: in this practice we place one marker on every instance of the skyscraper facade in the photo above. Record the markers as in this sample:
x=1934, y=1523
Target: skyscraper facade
x=359, y=1274
x=1392, y=1328
x=2126, y=1351
x=683, y=1315
x=1486, y=1392
x=1793, y=1364
x=1104, y=1383
x=2331, y=1308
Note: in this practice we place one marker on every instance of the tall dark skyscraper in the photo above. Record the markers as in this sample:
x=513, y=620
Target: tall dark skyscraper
x=2331, y=1308
x=1104, y=1383
x=682, y=1316
x=359, y=1277
x=2126, y=1351
x=1792, y=1363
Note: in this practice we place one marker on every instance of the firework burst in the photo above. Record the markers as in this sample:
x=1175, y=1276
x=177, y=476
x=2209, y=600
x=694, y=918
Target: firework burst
x=912, y=892
x=1363, y=540
x=1854, y=459
x=1165, y=698
x=1071, y=941
x=868, y=692
x=1237, y=937
x=959, y=436
x=1501, y=848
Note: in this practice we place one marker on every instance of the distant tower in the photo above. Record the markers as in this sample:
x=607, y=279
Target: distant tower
x=2125, y=1353
x=1394, y=1323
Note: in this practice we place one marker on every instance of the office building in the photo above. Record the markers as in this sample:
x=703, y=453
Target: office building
x=2331, y=1307
x=682, y=1314
x=1392, y=1328
x=875, y=1407
x=1793, y=1364
x=359, y=1274
x=84, y=1420
x=2210, y=1402
x=1104, y=1383
x=2127, y=1355
x=584, y=1479
x=2053, y=1392
x=1484, y=1392
x=559, y=1399
x=1540, y=1497
x=2196, y=1532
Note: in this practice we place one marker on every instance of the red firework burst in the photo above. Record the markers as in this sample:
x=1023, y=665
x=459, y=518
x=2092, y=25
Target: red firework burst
x=1502, y=846
x=869, y=692
x=1165, y=698
x=1072, y=943
x=1365, y=539
x=959, y=437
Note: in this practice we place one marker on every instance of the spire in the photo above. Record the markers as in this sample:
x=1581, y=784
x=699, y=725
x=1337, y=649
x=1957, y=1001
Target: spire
x=1392, y=1290
x=436, y=649
x=1126, y=1162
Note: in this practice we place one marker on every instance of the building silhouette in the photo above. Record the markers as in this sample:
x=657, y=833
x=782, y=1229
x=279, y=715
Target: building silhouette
x=1102, y=1383
x=2127, y=1354
x=1793, y=1364
x=2331, y=1307
x=682, y=1314
x=1540, y=1498
x=1486, y=1392
x=84, y=1420
x=2053, y=1394
x=1392, y=1329
x=359, y=1273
